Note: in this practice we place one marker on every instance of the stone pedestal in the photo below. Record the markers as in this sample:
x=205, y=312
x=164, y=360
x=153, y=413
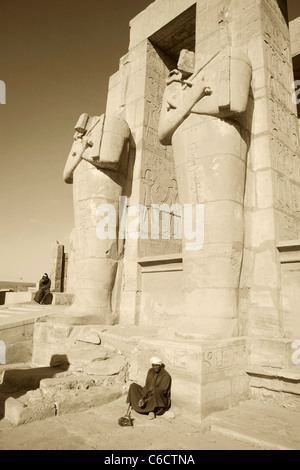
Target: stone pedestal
x=207, y=376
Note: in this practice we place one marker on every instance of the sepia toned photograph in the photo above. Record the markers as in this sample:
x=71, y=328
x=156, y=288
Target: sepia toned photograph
x=150, y=227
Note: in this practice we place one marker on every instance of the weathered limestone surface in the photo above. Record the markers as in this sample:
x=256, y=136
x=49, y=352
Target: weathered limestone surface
x=276, y=386
x=18, y=341
x=55, y=400
x=260, y=31
x=205, y=90
x=295, y=36
x=70, y=370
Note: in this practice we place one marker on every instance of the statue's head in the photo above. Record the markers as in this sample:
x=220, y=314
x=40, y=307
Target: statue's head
x=186, y=63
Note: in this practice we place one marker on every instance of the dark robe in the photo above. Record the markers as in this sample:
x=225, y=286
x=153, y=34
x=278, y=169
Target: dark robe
x=44, y=290
x=156, y=393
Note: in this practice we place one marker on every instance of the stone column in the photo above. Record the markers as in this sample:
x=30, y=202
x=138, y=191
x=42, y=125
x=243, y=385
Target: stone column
x=210, y=159
x=96, y=166
x=96, y=260
x=58, y=268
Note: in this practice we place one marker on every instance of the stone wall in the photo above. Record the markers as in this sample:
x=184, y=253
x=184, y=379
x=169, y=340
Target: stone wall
x=18, y=339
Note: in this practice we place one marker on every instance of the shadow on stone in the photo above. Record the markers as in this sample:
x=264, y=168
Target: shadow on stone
x=17, y=382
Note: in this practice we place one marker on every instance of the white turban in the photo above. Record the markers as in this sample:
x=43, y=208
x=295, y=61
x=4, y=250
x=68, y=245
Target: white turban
x=156, y=360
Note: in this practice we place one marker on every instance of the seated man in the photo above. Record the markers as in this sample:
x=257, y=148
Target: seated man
x=42, y=295
x=155, y=397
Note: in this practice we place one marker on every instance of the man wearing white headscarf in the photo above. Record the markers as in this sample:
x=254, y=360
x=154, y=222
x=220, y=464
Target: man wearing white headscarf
x=42, y=295
x=155, y=397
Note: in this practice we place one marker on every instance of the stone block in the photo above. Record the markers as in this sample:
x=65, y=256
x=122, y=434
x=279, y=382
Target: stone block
x=63, y=298
x=259, y=153
x=17, y=297
x=37, y=405
x=206, y=376
x=260, y=120
x=19, y=352
x=131, y=270
x=250, y=191
x=264, y=188
x=186, y=62
x=269, y=352
x=240, y=389
x=255, y=47
x=275, y=398
x=215, y=396
x=18, y=413
x=247, y=270
x=75, y=401
x=265, y=270
x=134, y=113
x=259, y=227
x=259, y=81
x=88, y=336
x=263, y=298
x=128, y=307
x=14, y=333
x=135, y=88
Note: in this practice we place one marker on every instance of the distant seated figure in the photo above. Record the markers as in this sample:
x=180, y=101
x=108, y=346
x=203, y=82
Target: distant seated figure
x=155, y=397
x=43, y=295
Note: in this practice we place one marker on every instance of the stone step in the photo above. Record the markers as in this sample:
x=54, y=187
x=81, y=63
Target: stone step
x=36, y=405
x=13, y=299
x=25, y=308
x=259, y=424
x=29, y=393
x=10, y=315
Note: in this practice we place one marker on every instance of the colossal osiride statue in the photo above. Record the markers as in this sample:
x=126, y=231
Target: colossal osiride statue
x=96, y=166
x=200, y=119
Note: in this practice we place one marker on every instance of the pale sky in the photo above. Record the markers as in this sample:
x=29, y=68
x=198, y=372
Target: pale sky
x=56, y=57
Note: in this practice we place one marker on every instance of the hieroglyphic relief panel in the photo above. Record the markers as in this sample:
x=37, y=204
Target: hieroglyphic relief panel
x=211, y=361
x=159, y=184
x=224, y=358
x=283, y=126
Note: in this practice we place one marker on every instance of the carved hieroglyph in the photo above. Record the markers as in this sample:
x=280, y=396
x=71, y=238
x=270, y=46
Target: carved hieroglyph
x=283, y=128
x=96, y=166
x=200, y=119
x=159, y=185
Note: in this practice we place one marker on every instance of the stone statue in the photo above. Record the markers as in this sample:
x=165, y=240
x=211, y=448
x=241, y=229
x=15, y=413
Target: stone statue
x=200, y=119
x=96, y=167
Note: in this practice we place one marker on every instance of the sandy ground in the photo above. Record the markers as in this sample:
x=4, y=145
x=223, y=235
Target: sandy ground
x=98, y=429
